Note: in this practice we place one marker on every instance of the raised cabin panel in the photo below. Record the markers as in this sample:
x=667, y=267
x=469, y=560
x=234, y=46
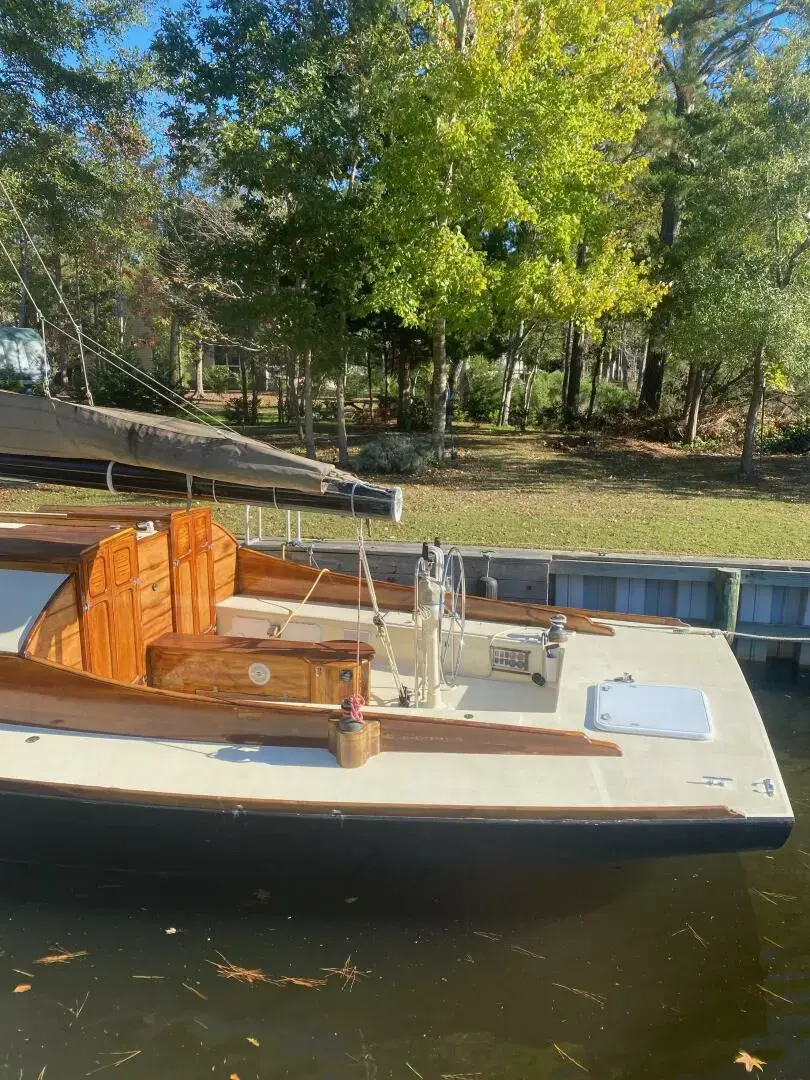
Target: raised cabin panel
x=203, y=570
x=183, y=596
x=57, y=633
x=224, y=553
x=156, y=587
x=128, y=656
x=98, y=623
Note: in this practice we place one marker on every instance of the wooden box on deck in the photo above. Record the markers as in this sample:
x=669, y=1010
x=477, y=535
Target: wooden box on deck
x=320, y=672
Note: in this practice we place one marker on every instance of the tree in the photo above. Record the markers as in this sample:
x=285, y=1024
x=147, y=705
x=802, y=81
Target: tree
x=503, y=118
x=705, y=45
x=746, y=245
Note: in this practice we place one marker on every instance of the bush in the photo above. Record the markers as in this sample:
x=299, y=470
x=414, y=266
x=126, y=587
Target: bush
x=123, y=389
x=484, y=387
x=419, y=416
x=612, y=400
x=790, y=439
x=217, y=379
x=401, y=454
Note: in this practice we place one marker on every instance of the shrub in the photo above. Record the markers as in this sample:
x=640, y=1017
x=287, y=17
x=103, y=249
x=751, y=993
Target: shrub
x=217, y=379
x=790, y=439
x=484, y=386
x=123, y=389
x=394, y=454
x=419, y=416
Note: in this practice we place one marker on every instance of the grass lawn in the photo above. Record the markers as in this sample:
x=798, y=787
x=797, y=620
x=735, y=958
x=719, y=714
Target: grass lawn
x=540, y=490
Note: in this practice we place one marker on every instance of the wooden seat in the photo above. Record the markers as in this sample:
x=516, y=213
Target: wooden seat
x=323, y=672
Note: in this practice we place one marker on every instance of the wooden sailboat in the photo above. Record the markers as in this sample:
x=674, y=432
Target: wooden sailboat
x=167, y=692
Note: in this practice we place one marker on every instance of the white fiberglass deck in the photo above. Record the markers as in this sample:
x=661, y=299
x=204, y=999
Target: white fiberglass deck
x=735, y=768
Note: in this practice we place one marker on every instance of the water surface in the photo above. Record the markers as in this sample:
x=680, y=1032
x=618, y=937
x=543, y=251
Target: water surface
x=656, y=970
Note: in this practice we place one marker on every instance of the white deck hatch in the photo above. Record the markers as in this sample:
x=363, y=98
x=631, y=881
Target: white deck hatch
x=672, y=712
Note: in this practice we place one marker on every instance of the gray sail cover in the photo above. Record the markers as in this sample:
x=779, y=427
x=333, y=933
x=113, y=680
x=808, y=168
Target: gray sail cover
x=48, y=427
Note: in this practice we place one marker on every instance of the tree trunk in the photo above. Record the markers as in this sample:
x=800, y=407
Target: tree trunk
x=254, y=391
x=652, y=381
x=597, y=367
x=342, y=439
x=403, y=389
x=370, y=387
x=690, y=391
x=757, y=390
x=694, y=406
x=22, y=314
x=566, y=360
x=309, y=423
x=280, y=398
x=506, y=388
x=293, y=406
x=439, y=387
x=576, y=363
x=243, y=384
x=174, y=352
x=642, y=364
x=527, y=396
x=199, y=389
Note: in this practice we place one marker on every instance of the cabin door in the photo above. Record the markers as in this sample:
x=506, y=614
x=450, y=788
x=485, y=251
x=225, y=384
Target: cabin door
x=193, y=572
x=112, y=611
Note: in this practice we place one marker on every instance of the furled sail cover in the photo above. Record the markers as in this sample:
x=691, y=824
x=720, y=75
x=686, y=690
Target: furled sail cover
x=47, y=427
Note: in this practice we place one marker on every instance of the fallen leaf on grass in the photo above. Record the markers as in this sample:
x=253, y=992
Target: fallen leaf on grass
x=61, y=957
x=749, y=1061
x=22, y=988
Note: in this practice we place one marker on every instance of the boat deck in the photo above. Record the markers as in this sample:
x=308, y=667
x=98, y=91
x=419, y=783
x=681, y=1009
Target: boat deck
x=735, y=770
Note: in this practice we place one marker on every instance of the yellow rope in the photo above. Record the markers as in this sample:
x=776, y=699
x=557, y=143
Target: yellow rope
x=292, y=614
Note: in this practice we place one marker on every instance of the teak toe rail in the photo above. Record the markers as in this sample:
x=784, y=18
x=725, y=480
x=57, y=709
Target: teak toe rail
x=40, y=694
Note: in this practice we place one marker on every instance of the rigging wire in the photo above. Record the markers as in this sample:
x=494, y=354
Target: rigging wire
x=134, y=371
x=88, y=392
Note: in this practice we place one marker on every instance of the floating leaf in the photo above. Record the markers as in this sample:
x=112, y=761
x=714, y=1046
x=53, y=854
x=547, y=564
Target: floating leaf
x=234, y=1076
x=749, y=1061
x=61, y=957
x=252, y=1041
x=22, y=988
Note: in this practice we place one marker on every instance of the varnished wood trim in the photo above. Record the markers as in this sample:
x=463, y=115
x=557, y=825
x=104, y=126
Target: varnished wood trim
x=42, y=694
x=536, y=814
x=36, y=626
x=260, y=574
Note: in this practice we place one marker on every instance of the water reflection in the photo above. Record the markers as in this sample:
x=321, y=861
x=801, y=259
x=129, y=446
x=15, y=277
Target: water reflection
x=652, y=970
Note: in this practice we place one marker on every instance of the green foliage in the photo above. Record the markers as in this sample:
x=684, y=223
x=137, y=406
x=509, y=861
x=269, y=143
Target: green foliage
x=396, y=454
x=484, y=383
x=790, y=439
x=218, y=379
x=116, y=388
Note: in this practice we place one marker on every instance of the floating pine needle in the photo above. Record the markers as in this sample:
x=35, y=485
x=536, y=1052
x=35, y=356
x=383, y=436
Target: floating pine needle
x=233, y=971
x=61, y=957
x=487, y=934
x=413, y=1070
x=151, y=978
x=568, y=1057
x=773, y=994
x=349, y=973
x=202, y=1025
x=526, y=952
x=597, y=999
x=770, y=941
x=128, y=1055
x=19, y=971
x=772, y=897
x=194, y=990
x=23, y=988
x=293, y=980
x=76, y=1009
x=459, y=1076
x=749, y=1061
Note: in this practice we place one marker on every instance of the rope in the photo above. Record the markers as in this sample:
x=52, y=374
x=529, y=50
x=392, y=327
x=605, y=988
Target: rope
x=356, y=703
x=379, y=621
x=46, y=381
x=300, y=607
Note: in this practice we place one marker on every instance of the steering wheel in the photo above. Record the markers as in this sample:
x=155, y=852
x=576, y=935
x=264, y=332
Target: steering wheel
x=453, y=618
